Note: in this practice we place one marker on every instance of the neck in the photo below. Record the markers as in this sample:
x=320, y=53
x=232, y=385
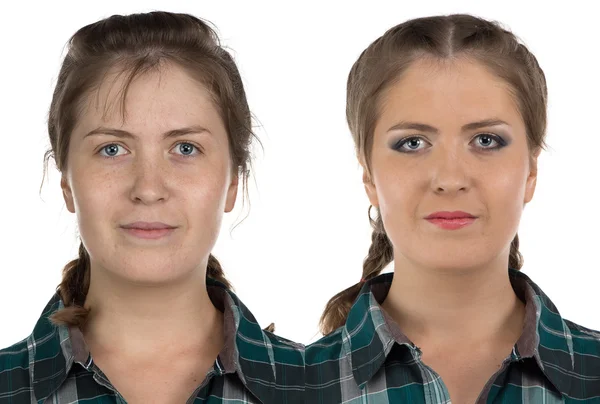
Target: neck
x=137, y=320
x=450, y=306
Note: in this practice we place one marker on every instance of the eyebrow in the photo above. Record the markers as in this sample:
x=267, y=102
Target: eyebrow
x=169, y=134
x=428, y=128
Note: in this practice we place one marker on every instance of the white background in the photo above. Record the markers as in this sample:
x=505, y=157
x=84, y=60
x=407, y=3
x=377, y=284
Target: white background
x=307, y=230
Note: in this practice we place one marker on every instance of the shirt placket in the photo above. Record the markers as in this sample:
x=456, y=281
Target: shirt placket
x=217, y=370
x=489, y=398
x=102, y=380
x=434, y=389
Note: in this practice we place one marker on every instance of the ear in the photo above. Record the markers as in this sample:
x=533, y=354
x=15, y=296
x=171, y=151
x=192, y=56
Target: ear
x=532, y=177
x=67, y=194
x=370, y=188
x=231, y=194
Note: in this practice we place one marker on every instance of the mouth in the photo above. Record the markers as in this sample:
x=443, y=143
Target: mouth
x=451, y=220
x=148, y=230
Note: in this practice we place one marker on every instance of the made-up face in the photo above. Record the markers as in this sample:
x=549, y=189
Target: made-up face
x=450, y=138
x=149, y=188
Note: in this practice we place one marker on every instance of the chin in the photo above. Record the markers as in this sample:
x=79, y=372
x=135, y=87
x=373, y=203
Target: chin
x=452, y=259
x=151, y=278
x=151, y=271
x=457, y=263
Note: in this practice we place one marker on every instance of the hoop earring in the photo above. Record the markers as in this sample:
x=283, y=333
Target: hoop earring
x=376, y=222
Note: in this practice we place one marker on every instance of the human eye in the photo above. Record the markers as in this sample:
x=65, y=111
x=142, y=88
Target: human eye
x=489, y=141
x=186, y=149
x=112, y=151
x=410, y=144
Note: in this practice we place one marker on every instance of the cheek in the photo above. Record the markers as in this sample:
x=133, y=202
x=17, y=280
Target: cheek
x=202, y=197
x=204, y=190
x=94, y=192
x=102, y=195
x=399, y=187
x=503, y=196
x=505, y=188
x=95, y=198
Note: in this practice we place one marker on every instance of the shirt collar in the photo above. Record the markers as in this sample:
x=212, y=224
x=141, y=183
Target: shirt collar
x=50, y=364
x=369, y=333
x=247, y=350
x=551, y=341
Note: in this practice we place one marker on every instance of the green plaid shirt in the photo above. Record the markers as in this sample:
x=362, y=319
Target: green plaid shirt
x=369, y=360
x=53, y=365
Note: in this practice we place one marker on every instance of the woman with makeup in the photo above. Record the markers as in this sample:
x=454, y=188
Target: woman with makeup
x=151, y=131
x=448, y=115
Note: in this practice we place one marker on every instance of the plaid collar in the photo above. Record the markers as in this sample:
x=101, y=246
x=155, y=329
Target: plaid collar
x=369, y=334
x=247, y=350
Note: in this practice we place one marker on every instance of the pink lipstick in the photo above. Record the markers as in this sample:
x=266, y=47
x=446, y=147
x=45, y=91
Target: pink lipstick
x=451, y=220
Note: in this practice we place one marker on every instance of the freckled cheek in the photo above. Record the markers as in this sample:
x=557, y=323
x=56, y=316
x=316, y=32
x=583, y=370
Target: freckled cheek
x=204, y=193
x=94, y=199
x=94, y=191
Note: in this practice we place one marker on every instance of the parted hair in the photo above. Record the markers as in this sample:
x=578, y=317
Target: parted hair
x=383, y=62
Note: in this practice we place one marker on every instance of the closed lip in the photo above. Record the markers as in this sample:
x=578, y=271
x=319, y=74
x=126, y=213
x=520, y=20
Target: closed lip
x=457, y=214
x=148, y=226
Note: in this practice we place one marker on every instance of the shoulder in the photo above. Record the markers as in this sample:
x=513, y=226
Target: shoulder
x=583, y=371
x=15, y=380
x=586, y=345
x=328, y=368
x=579, y=331
x=16, y=361
x=288, y=360
x=284, y=344
x=286, y=353
x=328, y=349
x=16, y=354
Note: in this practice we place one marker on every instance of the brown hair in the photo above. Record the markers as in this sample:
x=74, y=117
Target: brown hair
x=136, y=44
x=384, y=61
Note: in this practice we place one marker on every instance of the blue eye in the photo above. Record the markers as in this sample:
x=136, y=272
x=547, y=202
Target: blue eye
x=111, y=150
x=485, y=140
x=409, y=144
x=186, y=149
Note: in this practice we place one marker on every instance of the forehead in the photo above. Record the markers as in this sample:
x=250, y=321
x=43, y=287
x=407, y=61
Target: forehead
x=461, y=89
x=165, y=95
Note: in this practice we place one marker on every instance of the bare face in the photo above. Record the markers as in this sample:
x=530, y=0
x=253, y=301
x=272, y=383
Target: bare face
x=450, y=138
x=150, y=190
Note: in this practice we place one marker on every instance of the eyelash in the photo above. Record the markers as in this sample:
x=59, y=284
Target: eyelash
x=198, y=148
x=499, y=140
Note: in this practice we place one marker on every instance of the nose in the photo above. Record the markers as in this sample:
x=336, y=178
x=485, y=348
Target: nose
x=449, y=172
x=149, y=181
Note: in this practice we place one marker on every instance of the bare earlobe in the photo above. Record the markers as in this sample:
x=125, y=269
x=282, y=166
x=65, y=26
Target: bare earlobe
x=370, y=188
x=67, y=194
x=231, y=194
x=532, y=178
x=531, y=183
